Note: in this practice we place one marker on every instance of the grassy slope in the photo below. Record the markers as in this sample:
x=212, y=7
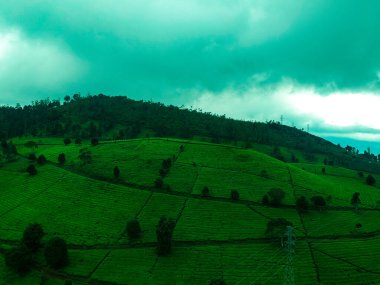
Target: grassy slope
x=214, y=236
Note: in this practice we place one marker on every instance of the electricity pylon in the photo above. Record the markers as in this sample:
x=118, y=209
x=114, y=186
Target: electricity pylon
x=289, y=245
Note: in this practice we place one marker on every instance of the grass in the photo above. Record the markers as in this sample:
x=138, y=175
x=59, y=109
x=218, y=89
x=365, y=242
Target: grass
x=213, y=237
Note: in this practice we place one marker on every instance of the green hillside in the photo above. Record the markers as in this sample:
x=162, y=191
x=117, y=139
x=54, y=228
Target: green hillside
x=215, y=236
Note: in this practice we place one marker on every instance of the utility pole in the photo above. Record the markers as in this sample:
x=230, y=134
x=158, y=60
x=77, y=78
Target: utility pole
x=282, y=119
x=289, y=244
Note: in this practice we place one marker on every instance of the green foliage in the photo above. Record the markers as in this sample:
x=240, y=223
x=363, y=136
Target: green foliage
x=159, y=183
x=164, y=233
x=32, y=236
x=276, y=195
x=94, y=141
x=370, y=180
x=355, y=200
x=116, y=172
x=20, y=259
x=133, y=229
x=235, y=195
x=277, y=227
x=41, y=160
x=319, y=202
x=205, y=192
x=302, y=204
x=56, y=254
x=67, y=141
x=32, y=156
x=61, y=158
x=85, y=156
x=265, y=200
x=31, y=169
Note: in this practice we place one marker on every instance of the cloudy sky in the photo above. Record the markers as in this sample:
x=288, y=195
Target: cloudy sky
x=316, y=63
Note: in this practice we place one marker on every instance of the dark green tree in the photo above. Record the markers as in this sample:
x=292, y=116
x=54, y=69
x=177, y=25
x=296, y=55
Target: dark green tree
x=32, y=236
x=67, y=141
x=302, y=204
x=159, y=183
x=133, y=229
x=235, y=195
x=56, y=254
x=116, y=172
x=31, y=169
x=370, y=180
x=61, y=158
x=277, y=227
x=276, y=196
x=355, y=200
x=94, y=141
x=164, y=233
x=20, y=259
x=205, y=192
x=265, y=200
x=41, y=160
x=319, y=202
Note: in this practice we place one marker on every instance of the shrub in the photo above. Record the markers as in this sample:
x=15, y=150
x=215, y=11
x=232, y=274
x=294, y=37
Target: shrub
x=370, y=180
x=276, y=196
x=205, y=192
x=164, y=232
x=61, y=158
x=302, y=204
x=19, y=259
x=78, y=141
x=67, y=141
x=31, y=169
x=55, y=253
x=235, y=195
x=159, y=183
x=265, y=200
x=32, y=236
x=360, y=174
x=116, y=172
x=94, y=141
x=277, y=227
x=323, y=170
x=32, y=156
x=41, y=160
x=318, y=202
x=133, y=229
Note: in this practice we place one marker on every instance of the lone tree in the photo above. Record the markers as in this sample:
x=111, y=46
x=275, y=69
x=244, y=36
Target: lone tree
x=355, y=200
x=31, y=169
x=265, y=200
x=164, y=233
x=159, y=183
x=276, y=196
x=61, y=158
x=94, y=141
x=235, y=195
x=302, y=204
x=323, y=170
x=116, y=172
x=370, y=180
x=205, y=192
x=276, y=227
x=67, y=141
x=318, y=202
x=55, y=253
x=133, y=229
x=20, y=259
x=41, y=160
x=32, y=236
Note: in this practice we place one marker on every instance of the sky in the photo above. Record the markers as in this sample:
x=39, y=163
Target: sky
x=315, y=63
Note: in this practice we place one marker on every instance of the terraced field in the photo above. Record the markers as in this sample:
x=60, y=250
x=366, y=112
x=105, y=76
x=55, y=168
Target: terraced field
x=214, y=236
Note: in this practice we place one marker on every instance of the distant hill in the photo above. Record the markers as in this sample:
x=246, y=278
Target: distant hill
x=119, y=117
